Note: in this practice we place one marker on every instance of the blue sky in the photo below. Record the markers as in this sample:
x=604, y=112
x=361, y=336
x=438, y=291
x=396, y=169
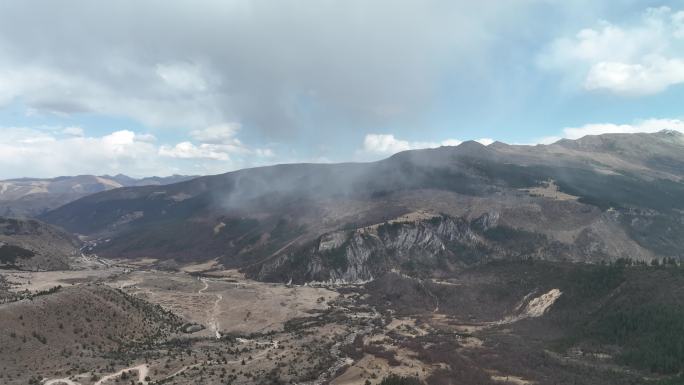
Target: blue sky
x=165, y=87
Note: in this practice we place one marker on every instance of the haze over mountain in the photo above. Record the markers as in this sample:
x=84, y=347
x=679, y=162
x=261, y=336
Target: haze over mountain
x=29, y=197
x=350, y=192
x=434, y=211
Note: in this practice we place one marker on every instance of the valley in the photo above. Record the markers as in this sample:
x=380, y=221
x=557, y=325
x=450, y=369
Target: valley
x=215, y=326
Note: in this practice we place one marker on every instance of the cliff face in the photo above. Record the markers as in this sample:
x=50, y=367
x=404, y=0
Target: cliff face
x=431, y=245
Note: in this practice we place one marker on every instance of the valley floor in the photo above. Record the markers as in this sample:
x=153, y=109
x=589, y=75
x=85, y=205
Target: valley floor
x=125, y=323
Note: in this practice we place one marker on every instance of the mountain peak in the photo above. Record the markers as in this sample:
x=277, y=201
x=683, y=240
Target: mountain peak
x=670, y=134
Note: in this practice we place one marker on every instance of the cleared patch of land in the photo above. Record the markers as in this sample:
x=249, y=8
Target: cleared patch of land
x=226, y=303
x=34, y=281
x=550, y=190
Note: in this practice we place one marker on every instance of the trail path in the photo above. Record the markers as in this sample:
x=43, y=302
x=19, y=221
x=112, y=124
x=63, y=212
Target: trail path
x=60, y=381
x=213, y=320
x=206, y=286
x=142, y=371
x=183, y=370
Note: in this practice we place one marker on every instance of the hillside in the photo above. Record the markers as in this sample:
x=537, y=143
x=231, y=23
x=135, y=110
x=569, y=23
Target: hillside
x=33, y=245
x=549, y=323
x=29, y=197
x=76, y=327
x=596, y=198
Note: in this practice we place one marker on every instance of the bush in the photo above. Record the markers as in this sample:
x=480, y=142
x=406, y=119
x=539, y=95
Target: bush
x=394, y=379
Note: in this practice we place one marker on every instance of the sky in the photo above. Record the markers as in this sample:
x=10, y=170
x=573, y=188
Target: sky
x=165, y=87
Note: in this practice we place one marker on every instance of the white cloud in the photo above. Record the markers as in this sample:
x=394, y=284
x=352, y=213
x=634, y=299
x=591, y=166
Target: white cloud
x=653, y=76
x=49, y=152
x=73, y=131
x=384, y=144
x=187, y=150
x=387, y=144
x=32, y=152
x=451, y=142
x=119, y=138
x=220, y=133
x=640, y=59
x=485, y=141
x=216, y=142
x=545, y=140
x=648, y=126
x=641, y=126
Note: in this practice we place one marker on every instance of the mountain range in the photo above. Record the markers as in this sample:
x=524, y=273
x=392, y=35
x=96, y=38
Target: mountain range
x=429, y=212
x=29, y=197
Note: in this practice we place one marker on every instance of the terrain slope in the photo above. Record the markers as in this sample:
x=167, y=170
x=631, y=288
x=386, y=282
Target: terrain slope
x=598, y=198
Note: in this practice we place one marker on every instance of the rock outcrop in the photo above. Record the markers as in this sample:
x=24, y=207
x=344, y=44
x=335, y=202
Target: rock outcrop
x=430, y=246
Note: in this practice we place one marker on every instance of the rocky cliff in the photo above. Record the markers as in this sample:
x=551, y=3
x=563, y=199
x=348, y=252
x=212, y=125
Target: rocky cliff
x=424, y=244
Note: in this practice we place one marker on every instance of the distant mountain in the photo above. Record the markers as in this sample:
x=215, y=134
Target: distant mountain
x=127, y=181
x=33, y=245
x=28, y=197
x=594, y=199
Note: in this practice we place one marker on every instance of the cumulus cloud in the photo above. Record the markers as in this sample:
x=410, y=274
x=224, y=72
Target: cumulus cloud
x=217, y=134
x=653, y=76
x=384, y=144
x=53, y=151
x=641, y=58
x=35, y=152
x=217, y=142
x=187, y=150
x=387, y=144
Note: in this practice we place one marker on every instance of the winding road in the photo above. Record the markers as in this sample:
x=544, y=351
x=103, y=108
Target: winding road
x=141, y=369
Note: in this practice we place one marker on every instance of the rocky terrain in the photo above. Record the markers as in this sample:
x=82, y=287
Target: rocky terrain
x=425, y=245
x=29, y=197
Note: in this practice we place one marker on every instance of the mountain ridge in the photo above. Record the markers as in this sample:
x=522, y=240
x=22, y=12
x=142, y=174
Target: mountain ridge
x=28, y=244
x=29, y=197
x=603, y=196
